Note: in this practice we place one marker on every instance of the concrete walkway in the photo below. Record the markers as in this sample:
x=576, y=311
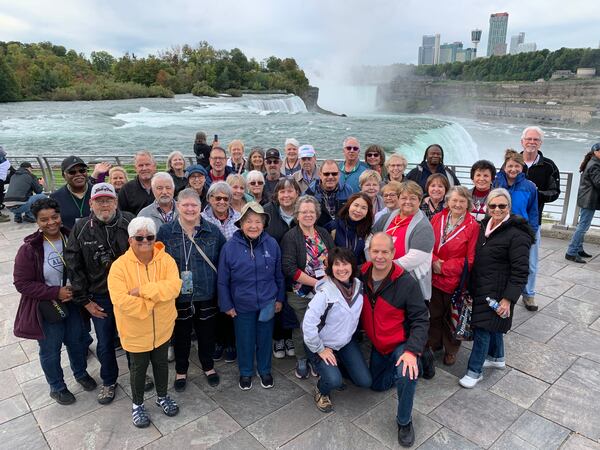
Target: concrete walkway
x=547, y=397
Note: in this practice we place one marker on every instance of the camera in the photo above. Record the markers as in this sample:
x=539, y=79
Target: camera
x=103, y=256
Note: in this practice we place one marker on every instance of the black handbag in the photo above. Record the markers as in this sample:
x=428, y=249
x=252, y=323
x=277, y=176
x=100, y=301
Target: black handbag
x=54, y=311
x=462, y=308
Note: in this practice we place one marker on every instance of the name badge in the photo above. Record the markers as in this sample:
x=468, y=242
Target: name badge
x=187, y=285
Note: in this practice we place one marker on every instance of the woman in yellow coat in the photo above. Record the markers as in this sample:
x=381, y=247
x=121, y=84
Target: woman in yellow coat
x=143, y=284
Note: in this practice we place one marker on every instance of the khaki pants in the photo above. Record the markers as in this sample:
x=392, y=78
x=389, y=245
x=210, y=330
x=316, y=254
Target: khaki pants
x=299, y=305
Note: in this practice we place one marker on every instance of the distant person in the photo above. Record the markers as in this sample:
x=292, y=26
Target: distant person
x=196, y=176
x=433, y=162
x=436, y=188
x=483, y=174
x=308, y=163
x=588, y=199
x=137, y=193
x=291, y=163
x=256, y=160
x=236, y=159
x=176, y=168
x=375, y=159
x=23, y=190
x=164, y=208
x=395, y=166
x=330, y=193
x=218, y=166
x=542, y=171
x=5, y=169
x=273, y=175
x=117, y=176
x=352, y=166
x=74, y=196
x=202, y=149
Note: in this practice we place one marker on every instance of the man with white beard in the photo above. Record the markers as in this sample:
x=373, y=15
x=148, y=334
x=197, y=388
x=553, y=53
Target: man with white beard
x=162, y=210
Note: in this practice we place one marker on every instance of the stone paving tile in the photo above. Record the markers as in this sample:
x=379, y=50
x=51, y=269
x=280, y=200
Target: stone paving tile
x=573, y=311
x=578, y=442
x=596, y=325
x=510, y=441
x=446, y=439
x=579, y=341
x=380, y=422
x=539, y=432
x=354, y=401
x=37, y=391
x=521, y=314
x=519, y=388
x=573, y=400
x=6, y=333
x=552, y=287
x=476, y=414
x=584, y=294
x=277, y=428
x=540, y=327
x=199, y=434
x=432, y=393
x=549, y=267
x=536, y=359
x=578, y=275
x=9, y=304
x=8, y=384
x=22, y=433
x=335, y=433
x=307, y=384
x=239, y=440
x=112, y=429
x=228, y=373
x=13, y=407
x=12, y=356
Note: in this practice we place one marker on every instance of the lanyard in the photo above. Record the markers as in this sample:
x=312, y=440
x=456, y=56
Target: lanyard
x=60, y=254
x=78, y=205
x=186, y=254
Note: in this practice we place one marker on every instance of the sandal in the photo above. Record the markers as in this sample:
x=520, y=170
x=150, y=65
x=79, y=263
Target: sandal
x=168, y=405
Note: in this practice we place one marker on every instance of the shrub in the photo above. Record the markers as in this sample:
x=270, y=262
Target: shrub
x=202, y=89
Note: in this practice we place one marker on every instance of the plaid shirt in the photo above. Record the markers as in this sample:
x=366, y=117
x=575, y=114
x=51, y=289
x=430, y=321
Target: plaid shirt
x=228, y=227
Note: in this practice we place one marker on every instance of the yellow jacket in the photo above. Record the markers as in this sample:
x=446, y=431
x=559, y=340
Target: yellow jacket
x=147, y=321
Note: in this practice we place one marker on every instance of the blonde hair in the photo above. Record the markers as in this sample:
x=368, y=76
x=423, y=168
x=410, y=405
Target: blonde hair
x=235, y=142
x=173, y=155
x=368, y=175
x=412, y=188
x=117, y=169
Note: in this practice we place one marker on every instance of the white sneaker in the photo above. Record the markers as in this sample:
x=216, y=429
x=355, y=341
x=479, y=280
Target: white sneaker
x=494, y=364
x=469, y=382
x=171, y=354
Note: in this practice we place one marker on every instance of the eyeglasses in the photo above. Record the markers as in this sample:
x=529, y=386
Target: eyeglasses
x=217, y=158
x=330, y=174
x=272, y=161
x=104, y=200
x=306, y=158
x=220, y=199
x=351, y=148
x=532, y=139
x=390, y=195
x=372, y=155
x=500, y=206
x=255, y=183
x=149, y=238
x=76, y=171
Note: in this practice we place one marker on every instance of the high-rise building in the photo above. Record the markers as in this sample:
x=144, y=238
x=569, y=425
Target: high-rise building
x=448, y=52
x=526, y=47
x=436, y=49
x=497, y=34
x=427, y=50
x=515, y=41
x=465, y=54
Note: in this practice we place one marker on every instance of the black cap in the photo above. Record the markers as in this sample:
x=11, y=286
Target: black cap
x=272, y=153
x=26, y=165
x=71, y=161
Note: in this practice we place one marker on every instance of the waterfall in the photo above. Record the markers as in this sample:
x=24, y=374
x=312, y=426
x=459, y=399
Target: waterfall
x=290, y=105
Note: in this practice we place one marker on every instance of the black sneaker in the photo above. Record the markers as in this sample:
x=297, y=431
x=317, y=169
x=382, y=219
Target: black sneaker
x=64, y=397
x=245, y=383
x=584, y=254
x=266, y=381
x=406, y=435
x=148, y=384
x=575, y=258
x=179, y=384
x=427, y=360
x=230, y=354
x=88, y=383
x=218, y=353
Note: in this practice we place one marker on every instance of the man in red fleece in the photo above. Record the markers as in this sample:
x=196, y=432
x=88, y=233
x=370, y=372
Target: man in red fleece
x=396, y=319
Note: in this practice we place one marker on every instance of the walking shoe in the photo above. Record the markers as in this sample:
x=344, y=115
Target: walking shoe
x=64, y=397
x=179, y=384
x=529, y=303
x=245, y=383
x=323, y=401
x=4, y=218
x=584, y=254
x=171, y=354
x=427, y=360
x=213, y=379
x=449, y=359
x=168, y=405
x=106, y=394
x=488, y=363
x=313, y=369
x=302, y=369
x=279, y=348
x=469, y=382
x=218, y=353
x=266, y=381
x=289, y=348
x=148, y=384
x=88, y=383
x=140, y=417
x=406, y=435
x=230, y=354
x=575, y=258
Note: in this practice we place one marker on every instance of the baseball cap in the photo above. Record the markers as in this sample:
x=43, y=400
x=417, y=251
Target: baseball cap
x=70, y=162
x=272, y=153
x=306, y=151
x=26, y=165
x=103, y=190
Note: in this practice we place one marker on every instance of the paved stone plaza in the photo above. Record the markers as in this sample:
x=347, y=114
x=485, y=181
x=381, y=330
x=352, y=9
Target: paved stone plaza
x=547, y=398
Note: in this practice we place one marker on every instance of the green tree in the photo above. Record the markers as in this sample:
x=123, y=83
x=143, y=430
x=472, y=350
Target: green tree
x=9, y=88
x=102, y=61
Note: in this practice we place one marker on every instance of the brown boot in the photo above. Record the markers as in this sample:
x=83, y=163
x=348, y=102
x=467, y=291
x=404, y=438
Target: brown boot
x=449, y=359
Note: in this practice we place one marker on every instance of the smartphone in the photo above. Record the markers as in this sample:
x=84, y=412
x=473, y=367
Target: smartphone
x=216, y=139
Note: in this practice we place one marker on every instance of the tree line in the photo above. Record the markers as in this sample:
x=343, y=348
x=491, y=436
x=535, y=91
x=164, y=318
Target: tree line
x=44, y=71
x=520, y=67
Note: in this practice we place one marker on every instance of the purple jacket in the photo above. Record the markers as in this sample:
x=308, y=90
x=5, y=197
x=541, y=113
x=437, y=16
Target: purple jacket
x=29, y=280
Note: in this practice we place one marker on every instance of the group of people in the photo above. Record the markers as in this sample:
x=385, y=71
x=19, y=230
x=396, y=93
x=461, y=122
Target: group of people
x=271, y=255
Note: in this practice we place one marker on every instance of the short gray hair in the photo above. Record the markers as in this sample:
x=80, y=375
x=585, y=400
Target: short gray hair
x=500, y=192
x=307, y=199
x=255, y=175
x=292, y=141
x=188, y=193
x=399, y=156
x=219, y=186
x=348, y=138
x=538, y=130
x=161, y=176
x=463, y=192
x=141, y=223
x=143, y=153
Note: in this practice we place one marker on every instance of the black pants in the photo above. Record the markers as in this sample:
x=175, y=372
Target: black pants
x=160, y=369
x=278, y=331
x=225, y=331
x=203, y=319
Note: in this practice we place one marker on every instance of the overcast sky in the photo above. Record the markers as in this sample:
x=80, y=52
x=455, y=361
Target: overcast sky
x=324, y=36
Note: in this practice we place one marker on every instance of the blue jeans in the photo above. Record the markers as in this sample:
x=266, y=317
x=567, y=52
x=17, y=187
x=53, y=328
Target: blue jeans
x=351, y=361
x=68, y=332
x=585, y=220
x=25, y=208
x=486, y=345
x=253, y=337
x=385, y=374
x=106, y=332
x=533, y=264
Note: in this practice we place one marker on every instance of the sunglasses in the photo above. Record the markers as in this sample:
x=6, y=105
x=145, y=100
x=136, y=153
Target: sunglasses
x=272, y=161
x=330, y=174
x=149, y=238
x=221, y=199
x=76, y=171
x=372, y=155
x=255, y=183
x=500, y=206
x=352, y=149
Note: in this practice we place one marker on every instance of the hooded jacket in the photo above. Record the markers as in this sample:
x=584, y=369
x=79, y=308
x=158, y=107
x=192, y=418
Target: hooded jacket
x=588, y=195
x=341, y=319
x=524, y=197
x=23, y=184
x=545, y=175
x=146, y=321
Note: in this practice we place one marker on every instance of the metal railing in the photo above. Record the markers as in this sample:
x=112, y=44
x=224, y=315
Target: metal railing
x=557, y=212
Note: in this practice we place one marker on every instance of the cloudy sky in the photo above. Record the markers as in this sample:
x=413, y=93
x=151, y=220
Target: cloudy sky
x=323, y=35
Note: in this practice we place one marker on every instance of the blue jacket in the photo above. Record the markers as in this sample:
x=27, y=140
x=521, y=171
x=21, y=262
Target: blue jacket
x=250, y=276
x=210, y=239
x=346, y=237
x=341, y=196
x=351, y=178
x=524, y=197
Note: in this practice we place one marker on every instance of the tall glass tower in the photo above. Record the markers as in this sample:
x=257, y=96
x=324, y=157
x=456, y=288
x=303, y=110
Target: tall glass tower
x=497, y=35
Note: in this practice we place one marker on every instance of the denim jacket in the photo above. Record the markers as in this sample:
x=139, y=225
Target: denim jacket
x=210, y=240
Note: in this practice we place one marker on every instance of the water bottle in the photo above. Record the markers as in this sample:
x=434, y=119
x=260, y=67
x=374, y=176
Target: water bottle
x=494, y=304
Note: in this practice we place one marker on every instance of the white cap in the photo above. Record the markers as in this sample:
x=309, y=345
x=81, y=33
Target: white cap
x=306, y=151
